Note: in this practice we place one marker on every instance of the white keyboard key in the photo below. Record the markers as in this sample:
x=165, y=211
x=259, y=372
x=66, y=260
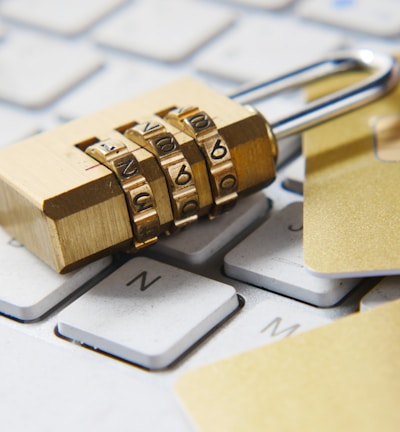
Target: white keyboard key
x=147, y=312
x=167, y=31
x=272, y=258
x=277, y=107
x=15, y=126
x=47, y=387
x=293, y=175
x=389, y=45
x=200, y=242
x=35, y=70
x=381, y=18
x=2, y=29
x=388, y=289
x=61, y=16
x=266, y=323
x=288, y=148
x=264, y=4
x=116, y=82
x=265, y=47
x=29, y=288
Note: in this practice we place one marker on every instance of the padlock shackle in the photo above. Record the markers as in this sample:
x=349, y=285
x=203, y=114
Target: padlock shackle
x=385, y=74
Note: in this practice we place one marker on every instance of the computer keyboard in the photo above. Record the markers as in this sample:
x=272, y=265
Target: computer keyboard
x=103, y=346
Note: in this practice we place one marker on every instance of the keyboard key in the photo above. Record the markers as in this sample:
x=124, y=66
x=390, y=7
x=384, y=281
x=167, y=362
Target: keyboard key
x=388, y=45
x=200, y=242
x=255, y=48
x=388, y=289
x=2, y=29
x=35, y=70
x=264, y=4
x=15, y=126
x=147, y=312
x=289, y=147
x=80, y=391
x=116, y=82
x=293, y=175
x=272, y=258
x=379, y=18
x=67, y=17
x=167, y=31
x=29, y=288
x=266, y=323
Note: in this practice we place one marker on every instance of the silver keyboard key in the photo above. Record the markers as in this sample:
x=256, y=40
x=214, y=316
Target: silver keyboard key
x=114, y=83
x=200, y=242
x=267, y=322
x=48, y=386
x=16, y=125
x=272, y=258
x=278, y=45
x=67, y=17
x=388, y=289
x=29, y=288
x=168, y=31
x=147, y=312
x=293, y=175
x=35, y=70
x=380, y=18
x=264, y=4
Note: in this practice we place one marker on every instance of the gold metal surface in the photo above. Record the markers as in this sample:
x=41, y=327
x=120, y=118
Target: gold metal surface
x=153, y=136
x=222, y=173
x=139, y=195
x=70, y=208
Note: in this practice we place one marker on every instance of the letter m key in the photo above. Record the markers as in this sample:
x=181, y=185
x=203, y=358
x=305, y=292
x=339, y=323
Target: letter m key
x=275, y=330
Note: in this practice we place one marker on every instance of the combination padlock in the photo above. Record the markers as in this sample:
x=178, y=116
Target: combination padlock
x=119, y=179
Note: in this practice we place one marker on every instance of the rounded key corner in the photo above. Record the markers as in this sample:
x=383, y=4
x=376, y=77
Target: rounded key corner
x=313, y=271
x=386, y=139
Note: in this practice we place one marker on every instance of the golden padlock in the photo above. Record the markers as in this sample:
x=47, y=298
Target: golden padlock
x=119, y=179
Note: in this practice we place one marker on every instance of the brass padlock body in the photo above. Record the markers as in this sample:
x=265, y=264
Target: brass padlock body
x=69, y=209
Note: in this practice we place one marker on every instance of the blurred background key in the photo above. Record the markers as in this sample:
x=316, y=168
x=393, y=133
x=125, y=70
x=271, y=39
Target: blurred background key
x=380, y=18
x=35, y=70
x=269, y=54
x=9, y=118
x=264, y=4
x=65, y=17
x=117, y=81
x=173, y=29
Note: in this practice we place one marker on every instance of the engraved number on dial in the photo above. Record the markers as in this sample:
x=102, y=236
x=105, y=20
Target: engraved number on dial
x=127, y=168
x=190, y=208
x=183, y=176
x=219, y=151
x=165, y=144
x=228, y=182
x=200, y=121
x=142, y=201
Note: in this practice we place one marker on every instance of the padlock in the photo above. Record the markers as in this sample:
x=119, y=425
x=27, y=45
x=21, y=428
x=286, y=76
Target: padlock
x=119, y=179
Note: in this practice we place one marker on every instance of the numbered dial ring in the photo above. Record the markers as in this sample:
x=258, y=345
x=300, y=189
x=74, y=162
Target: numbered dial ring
x=115, y=155
x=222, y=173
x=154, y=137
